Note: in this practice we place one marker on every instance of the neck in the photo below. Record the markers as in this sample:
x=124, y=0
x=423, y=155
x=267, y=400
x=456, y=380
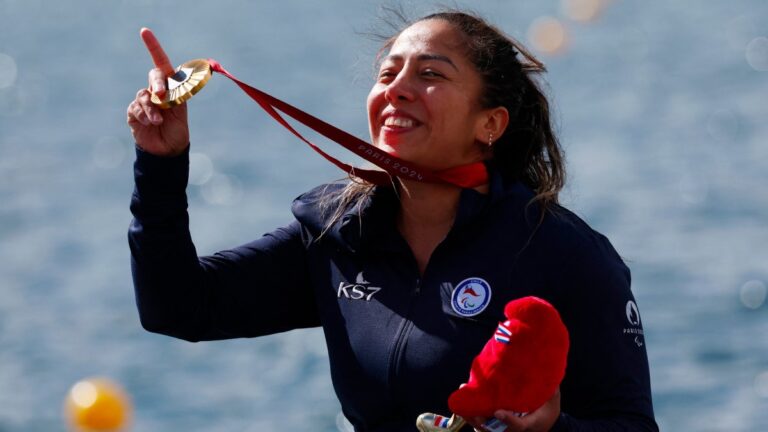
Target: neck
x=427, y=204
x=426, y=215
x=430, y=204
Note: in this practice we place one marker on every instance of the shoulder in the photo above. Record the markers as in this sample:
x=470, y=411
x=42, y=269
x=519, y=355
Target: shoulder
x=575, y=267
x=313, y=199
x=590, y=269
x=326, y=208
x=314, y=208
x=576, y=237
x=561, y=242
x=560, y=232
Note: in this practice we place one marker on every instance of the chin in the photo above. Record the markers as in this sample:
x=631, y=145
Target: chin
x=388, y=148
x=406, y=152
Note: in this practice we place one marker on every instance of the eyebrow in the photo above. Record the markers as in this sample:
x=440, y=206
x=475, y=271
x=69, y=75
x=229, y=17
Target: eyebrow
x=423, y=57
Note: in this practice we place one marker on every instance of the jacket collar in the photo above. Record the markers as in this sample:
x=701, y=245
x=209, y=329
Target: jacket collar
x=371, y=226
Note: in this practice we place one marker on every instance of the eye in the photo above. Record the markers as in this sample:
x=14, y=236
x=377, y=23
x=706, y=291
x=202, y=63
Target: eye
x=431, y=73
x=386, y=75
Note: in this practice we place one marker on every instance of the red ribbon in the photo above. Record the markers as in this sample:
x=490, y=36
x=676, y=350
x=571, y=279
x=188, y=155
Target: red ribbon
x=465, y=176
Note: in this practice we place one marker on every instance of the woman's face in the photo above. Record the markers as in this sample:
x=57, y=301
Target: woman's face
x=424, y=106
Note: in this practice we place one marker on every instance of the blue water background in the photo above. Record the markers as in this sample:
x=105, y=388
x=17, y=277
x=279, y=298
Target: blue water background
x=663, y=117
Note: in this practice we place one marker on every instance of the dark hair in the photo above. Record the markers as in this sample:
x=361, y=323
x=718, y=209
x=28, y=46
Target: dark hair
x=528, y=150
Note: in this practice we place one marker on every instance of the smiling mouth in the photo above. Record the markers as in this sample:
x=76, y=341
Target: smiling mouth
x=399, y=122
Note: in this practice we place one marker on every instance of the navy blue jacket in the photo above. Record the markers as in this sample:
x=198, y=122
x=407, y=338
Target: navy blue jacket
x=397, y=348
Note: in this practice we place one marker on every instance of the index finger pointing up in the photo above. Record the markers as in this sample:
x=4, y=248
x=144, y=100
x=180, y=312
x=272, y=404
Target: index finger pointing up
x=159, y=58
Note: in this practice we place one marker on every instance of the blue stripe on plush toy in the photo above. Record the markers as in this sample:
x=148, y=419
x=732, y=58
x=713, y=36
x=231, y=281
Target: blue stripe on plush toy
x=503, y=330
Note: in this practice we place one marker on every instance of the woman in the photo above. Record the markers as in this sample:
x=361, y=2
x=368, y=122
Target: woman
x=379, y=267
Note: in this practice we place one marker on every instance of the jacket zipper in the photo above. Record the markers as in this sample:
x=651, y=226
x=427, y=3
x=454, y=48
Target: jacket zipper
x=405, y=328
x=402, y=336
x=394, y=361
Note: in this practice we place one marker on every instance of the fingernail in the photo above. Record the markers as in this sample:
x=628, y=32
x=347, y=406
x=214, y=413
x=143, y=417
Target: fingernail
x=157, y=119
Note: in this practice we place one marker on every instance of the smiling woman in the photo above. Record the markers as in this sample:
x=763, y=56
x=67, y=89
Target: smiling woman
x=380, y=267
x=425, y=105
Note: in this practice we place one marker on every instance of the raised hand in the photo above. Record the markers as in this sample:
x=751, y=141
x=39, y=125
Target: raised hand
x=163, y=132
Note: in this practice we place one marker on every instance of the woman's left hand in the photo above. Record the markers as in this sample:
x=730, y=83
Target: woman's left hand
x=540, y=420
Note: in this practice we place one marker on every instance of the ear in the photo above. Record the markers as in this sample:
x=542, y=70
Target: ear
x=491, y=124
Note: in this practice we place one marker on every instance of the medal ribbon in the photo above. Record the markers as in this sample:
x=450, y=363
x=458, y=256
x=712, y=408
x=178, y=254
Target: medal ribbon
x=465, y=176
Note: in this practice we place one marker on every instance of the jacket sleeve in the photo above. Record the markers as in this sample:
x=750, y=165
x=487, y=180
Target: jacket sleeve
x=259, y=288
x=607, y=382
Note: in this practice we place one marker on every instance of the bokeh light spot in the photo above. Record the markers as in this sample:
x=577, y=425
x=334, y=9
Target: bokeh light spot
x=24, y=97
x=221, y=190
x=583, y=10
x=757, y=54
x=548, y=35
x=723, y=125
x=8, y=71
x=200, y=169
x=84, y=394
x=753, y=294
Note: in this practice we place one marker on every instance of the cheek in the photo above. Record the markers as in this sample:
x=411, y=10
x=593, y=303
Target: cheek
x=454, y=118
x=445, y=108
x=373, y=104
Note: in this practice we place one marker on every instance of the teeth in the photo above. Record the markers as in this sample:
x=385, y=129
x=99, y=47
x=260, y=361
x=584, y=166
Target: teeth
x=398, y=122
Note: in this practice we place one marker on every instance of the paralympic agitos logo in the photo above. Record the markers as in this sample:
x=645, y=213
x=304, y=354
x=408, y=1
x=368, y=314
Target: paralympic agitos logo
x=471, y=297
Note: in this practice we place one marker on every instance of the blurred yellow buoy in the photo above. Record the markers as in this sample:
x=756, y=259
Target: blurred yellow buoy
x=583, y=10
x=548, y=35
x=97, y=404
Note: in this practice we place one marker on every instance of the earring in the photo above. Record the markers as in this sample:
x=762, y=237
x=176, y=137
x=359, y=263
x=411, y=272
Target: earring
x=490, y=139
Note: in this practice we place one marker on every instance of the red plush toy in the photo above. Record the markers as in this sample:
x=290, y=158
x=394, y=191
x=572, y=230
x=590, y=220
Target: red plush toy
x=518, y=370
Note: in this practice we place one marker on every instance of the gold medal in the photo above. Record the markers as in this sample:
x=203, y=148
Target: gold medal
x=185, y=83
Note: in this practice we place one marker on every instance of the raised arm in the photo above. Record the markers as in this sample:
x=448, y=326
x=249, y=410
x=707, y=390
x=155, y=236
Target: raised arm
x=259, y=288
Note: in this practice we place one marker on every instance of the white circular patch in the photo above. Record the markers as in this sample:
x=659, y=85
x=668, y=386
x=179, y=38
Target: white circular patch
x=471, y=297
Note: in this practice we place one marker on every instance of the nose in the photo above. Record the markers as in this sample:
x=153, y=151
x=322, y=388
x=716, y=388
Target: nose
x=400, y=89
